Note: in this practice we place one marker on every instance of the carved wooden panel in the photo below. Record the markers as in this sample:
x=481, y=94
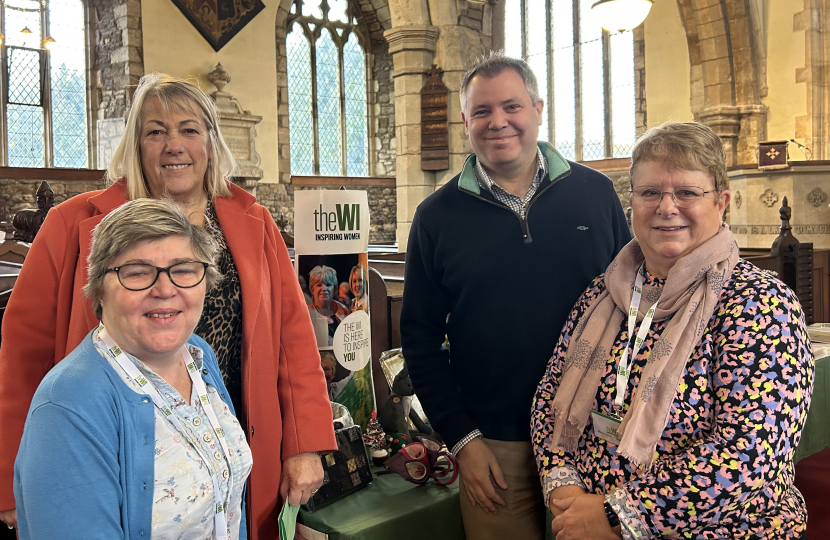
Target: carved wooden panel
x=804, y=278
x=435, y=148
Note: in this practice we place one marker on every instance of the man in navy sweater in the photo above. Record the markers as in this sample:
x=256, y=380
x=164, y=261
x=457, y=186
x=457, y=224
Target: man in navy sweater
x=522, y=221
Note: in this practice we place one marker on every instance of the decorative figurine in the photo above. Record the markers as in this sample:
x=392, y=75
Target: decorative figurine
x=375, y=439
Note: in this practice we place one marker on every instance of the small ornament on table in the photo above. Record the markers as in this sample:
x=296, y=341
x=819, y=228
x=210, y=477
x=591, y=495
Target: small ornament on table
x=396, y=441
x=375, y=439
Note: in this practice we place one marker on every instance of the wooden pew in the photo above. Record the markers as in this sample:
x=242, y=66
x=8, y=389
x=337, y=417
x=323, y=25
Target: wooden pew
x=385, y=300
x=805, y=270
x=13, y=251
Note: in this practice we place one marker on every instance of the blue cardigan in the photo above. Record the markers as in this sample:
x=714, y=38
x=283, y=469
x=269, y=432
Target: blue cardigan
x=85, y=465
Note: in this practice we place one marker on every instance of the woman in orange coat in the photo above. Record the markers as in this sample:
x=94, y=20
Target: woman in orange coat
x=256, y=320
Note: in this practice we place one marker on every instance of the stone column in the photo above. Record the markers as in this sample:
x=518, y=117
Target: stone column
x=118, y=65
x=753, y=130
x=119, y=55
x=725, y=121
x=412, y=49
x=813, y=128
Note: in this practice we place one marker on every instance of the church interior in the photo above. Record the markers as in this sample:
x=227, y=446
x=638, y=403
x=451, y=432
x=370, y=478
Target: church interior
x=324, y=94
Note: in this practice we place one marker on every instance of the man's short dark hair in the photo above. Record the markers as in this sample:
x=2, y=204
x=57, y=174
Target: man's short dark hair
x=491, y=64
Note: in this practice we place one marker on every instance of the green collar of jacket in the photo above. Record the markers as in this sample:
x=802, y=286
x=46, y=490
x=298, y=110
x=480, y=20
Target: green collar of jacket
x=557, y=168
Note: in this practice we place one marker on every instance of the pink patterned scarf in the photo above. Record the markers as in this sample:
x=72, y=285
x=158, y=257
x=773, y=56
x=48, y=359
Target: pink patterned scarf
x=687, y=299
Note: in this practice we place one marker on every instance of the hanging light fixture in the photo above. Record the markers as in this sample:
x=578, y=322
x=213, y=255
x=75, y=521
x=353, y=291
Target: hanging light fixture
x=620, y=15
x=25, y=30
x=48, y=43
x=2, y=38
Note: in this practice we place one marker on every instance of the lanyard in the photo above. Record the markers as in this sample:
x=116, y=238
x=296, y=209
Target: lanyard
x=623, y=368
x=220, y=521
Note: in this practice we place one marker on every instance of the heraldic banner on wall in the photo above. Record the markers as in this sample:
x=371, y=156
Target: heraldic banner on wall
x=219, y=20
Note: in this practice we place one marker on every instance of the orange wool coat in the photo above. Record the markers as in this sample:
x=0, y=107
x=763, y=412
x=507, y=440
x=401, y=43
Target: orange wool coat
x=285, y=396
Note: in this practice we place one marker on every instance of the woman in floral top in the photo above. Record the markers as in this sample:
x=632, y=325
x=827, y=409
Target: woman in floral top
x=133, y=435
x=694, y=436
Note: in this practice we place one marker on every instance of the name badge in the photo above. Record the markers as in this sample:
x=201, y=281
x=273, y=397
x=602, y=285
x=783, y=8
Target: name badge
x=607, y=427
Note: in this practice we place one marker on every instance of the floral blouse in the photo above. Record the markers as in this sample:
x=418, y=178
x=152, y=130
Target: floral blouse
x=183, y=502
x=724, y=465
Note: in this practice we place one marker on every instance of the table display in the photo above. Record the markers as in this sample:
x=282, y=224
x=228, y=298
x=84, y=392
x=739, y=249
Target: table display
x=391, y=507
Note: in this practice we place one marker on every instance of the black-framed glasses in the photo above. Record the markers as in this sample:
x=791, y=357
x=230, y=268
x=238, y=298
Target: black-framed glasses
x=683, y=196
x=138, y=277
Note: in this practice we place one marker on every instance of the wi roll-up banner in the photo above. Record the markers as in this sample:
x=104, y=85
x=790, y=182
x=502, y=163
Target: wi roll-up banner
x=331, y=242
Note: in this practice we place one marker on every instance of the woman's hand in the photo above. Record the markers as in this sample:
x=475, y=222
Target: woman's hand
x=302, y=476
x=582, y=518
x=561, y=493
x=9, y=517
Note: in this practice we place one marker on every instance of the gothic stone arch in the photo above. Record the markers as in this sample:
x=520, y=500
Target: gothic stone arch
x=727, y=80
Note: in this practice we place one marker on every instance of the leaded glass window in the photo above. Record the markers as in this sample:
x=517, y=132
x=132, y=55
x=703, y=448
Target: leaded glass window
x=327, y=90
x=586, y=76
x=45, y=90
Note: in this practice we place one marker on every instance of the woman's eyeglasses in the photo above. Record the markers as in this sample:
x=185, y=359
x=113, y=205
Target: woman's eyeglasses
x=683, y=197
x=138, y=277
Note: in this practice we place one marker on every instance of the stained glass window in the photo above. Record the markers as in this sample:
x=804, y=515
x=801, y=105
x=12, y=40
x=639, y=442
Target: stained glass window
x=300, y=116
x=354, y=76
x=69, y=119
x=328, y=105
x=585, y=74
x=46, y=104
x=327, y=89
x=337, y=10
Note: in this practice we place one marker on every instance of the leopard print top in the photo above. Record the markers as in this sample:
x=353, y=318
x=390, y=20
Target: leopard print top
x=221, y=322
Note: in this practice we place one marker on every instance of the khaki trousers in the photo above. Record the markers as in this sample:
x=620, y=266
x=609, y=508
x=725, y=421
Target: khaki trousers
x=524, y=516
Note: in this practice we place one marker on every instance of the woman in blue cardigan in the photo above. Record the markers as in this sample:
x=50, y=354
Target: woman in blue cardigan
x=133, y=436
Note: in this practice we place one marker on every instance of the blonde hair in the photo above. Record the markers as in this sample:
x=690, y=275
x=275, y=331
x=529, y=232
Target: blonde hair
x=144, y=219
x=687, y=146
x=322, y=274
x=181, y=96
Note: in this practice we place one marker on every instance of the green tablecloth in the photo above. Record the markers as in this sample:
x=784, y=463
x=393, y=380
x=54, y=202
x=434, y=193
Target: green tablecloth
x=816, y=434
x=391, y=507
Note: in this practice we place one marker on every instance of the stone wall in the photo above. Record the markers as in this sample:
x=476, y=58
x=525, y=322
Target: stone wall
x=279, y=199
x=16, y=195
x=384, y=110
x=118, y=60
x=621, y=186
x=375, y=18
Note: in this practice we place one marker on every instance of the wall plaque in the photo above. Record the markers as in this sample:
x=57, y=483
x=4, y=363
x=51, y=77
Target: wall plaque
x=238, y=128
x=435, y=148
x=219, y=20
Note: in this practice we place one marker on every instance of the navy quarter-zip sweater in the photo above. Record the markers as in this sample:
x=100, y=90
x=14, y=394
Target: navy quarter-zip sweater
x=500, y=288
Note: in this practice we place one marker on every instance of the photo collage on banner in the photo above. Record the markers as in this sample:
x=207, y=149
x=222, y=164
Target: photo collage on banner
x=331, y=259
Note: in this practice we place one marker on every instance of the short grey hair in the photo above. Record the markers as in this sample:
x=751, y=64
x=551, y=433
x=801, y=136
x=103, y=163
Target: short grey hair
x=490, y=65
x=689, y=146
x=322, y=274
x=182, y=96
x=144, y=219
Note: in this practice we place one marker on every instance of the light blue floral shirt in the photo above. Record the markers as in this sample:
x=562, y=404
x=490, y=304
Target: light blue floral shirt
x=183, y=502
